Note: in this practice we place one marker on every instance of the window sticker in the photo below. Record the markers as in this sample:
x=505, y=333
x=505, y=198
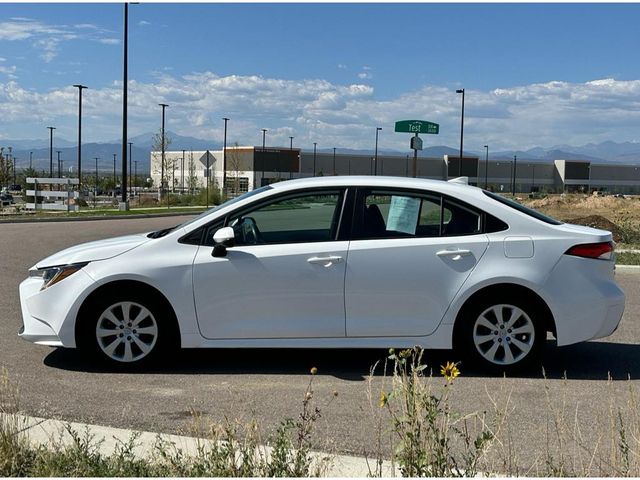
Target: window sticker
x=403, y=214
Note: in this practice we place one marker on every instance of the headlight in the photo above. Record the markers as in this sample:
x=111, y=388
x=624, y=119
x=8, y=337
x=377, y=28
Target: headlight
x=52, y=275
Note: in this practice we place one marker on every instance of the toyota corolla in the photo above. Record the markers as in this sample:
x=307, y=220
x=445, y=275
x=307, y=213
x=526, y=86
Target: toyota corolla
x=335, y=262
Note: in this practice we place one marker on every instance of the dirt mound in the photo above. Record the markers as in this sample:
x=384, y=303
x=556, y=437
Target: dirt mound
x=598, y=221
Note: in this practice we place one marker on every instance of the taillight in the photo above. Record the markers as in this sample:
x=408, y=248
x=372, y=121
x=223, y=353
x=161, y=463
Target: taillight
x=602, y=250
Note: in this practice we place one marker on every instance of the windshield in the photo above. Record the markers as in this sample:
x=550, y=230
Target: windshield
x=227, y=203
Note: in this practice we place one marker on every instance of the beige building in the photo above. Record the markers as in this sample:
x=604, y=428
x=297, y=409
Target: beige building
x=250, y=167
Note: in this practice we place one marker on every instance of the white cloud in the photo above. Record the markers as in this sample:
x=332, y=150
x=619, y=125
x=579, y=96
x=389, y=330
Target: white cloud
x=109, y=41
x=315, y=110
x=143, y=23
x=364, y=75
x=342, y=66
x=47, y=38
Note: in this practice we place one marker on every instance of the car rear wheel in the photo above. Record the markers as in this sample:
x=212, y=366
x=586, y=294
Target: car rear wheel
x=503, y=336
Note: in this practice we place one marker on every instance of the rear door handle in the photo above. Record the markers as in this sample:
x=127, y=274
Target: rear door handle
x=454, y=254
x=325, y=261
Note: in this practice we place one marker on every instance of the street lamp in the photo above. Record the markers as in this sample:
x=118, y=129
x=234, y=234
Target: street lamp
x=80, y=87
x=162, y=142
x=264, y=134
x=129, y=171
x=59, y=172
x=51, y=129
x=486, y=167
x=125, y=86
x=515, y=166
x=291, y=143
x=95, y=190
x=224, y=159
x=461, y=128
x=334, y=160
x=135, y=175
x=315, y=144
x=182, y=174
x=114, y=174
x=375, y=171
x=30, y=160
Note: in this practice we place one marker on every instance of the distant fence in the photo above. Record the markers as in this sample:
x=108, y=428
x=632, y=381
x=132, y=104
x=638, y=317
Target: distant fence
x=60, y=199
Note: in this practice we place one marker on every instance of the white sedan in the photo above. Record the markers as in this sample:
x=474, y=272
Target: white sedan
x=335, y=262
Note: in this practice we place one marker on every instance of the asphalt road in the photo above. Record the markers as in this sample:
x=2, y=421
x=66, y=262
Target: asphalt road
x=268, y=385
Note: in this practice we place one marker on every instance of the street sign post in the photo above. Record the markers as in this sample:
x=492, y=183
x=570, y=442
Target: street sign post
x=416, y=127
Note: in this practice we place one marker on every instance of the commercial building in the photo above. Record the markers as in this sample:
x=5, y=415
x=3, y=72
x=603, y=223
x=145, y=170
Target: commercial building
x=250, y=167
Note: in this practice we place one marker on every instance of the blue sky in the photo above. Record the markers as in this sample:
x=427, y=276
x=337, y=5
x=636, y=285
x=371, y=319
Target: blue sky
x=541, y=74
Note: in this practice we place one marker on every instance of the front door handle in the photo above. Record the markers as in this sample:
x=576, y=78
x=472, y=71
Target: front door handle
x=454, y=254
x=325, y=261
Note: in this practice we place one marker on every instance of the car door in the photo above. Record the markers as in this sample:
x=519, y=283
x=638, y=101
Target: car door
x=284, y=278
x=410, y=254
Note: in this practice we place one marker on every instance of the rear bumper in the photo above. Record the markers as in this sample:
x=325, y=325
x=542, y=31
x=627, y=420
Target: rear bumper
x=585, y=300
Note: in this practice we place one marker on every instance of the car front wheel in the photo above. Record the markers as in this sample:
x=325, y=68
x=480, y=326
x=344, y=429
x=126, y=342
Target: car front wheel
x=126, y=331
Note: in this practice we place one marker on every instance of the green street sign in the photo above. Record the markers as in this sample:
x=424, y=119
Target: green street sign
x=417, y=126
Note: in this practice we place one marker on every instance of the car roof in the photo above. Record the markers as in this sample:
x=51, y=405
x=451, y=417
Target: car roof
x=372, y=181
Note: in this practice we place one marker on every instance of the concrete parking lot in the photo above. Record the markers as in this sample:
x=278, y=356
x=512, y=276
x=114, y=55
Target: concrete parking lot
x=267, y=385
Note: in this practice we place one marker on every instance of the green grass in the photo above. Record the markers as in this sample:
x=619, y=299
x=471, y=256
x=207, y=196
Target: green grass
x=626, y=258
x=105, y=212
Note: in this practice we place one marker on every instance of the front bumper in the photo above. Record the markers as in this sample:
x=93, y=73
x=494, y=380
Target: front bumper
x=49, y=315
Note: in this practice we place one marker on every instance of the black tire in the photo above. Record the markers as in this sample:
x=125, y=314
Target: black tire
x=126, y=330
x=514, y=343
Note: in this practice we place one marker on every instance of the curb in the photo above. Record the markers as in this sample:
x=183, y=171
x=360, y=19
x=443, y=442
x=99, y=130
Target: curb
x=98, y=217
x=42, y=431
x=628, y=268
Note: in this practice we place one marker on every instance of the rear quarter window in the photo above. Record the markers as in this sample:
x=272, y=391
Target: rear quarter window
x=521, y=208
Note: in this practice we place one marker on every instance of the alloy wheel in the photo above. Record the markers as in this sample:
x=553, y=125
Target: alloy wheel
x=126, y=332
x=503, y=334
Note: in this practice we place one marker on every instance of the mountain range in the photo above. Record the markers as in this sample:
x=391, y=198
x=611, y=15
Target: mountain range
x=604, y=152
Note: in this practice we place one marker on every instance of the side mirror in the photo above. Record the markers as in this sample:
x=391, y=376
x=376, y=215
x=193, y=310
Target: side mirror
x=224, y=238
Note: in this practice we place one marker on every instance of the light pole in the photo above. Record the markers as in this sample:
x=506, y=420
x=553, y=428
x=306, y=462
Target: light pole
x=486, y=167
x=30, y=160
x=515, y=166
x=129, y=171
x=59, y=171
x=334, y=160
x=135, y=175
x=224, y=159
x=264, y=134
x=182, y=174
x=51, y=129
x=125, y=87
x=291, y=143
x=162, y=142
x=95, y=190
x=315, y=144
x=375, y=171
x=80, y=87
x=114, y=174
x=461, y=129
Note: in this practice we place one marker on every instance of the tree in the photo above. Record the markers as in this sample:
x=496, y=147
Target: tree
x=235, y=166
x=5, y=165
x=192, y=178
x=165, y=168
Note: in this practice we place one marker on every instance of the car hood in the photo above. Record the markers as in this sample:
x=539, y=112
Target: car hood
x=91, y=251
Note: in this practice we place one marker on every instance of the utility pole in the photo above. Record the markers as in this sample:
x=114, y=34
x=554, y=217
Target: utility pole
x=80, y=88
x=51, y=129
x=59, y=172
x=125, y=87
x=224, y=159
x=162, y=140
x=129, y=171
x=114, y=175
x=515, y=166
